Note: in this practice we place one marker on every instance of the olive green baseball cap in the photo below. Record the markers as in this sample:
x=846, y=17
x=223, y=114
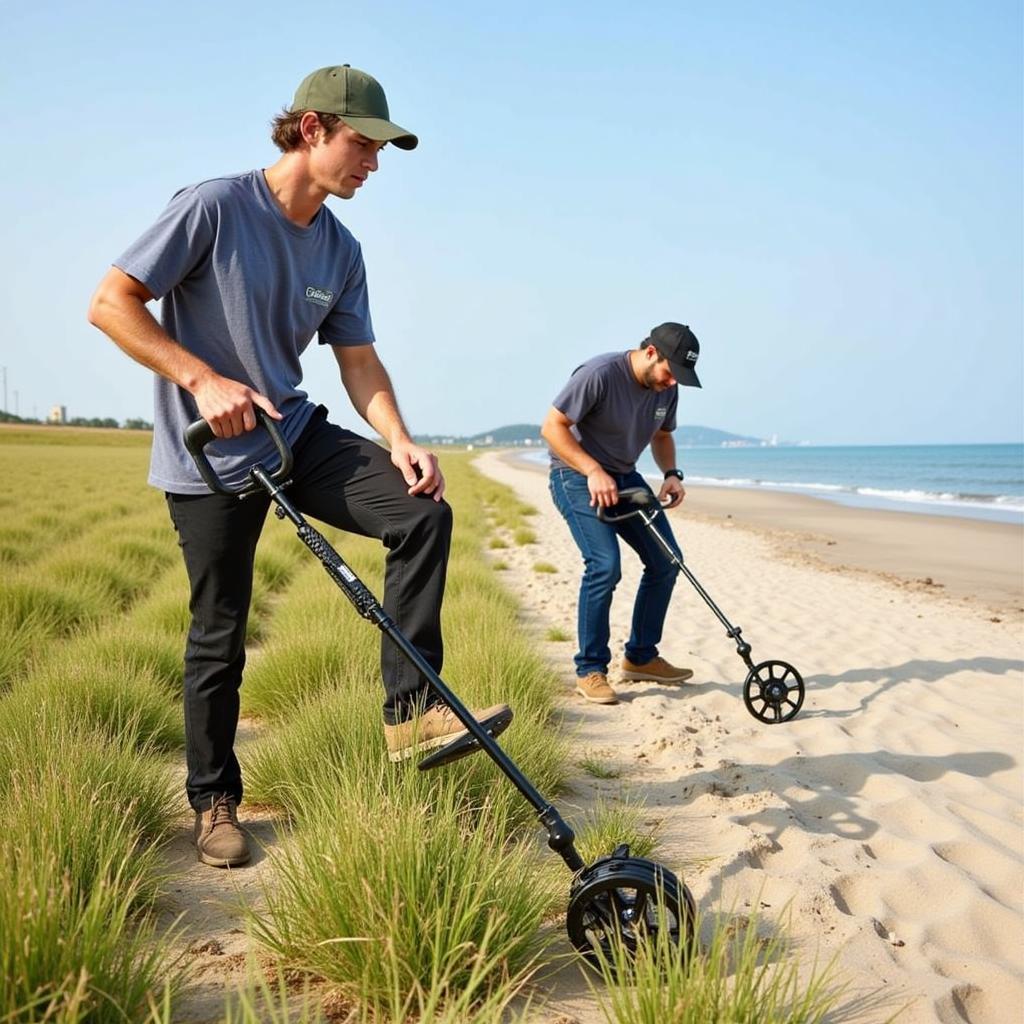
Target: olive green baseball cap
x=357, y=98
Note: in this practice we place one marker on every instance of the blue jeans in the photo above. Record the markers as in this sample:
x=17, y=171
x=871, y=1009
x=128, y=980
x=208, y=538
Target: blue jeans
x=598, y=543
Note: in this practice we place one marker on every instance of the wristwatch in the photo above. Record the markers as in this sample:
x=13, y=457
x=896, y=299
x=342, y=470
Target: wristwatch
x=677, y=473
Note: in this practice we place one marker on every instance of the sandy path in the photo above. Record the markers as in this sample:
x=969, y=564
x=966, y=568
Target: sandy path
x=887, y=815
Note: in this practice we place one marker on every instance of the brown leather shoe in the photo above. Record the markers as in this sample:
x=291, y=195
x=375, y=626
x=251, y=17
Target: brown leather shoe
x=657, y=670
x=434, y=728
x=594, y=687
x=220, y=842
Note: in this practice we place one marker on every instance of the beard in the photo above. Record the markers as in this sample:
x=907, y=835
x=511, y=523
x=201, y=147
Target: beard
x=648, y=378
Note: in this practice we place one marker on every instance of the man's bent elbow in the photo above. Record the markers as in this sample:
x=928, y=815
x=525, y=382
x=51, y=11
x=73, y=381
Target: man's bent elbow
x=97, y=305
x=116, y=292
x=548, y=427
x=103, y=302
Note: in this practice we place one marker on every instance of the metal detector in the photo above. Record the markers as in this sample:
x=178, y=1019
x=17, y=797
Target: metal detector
x=773, y=691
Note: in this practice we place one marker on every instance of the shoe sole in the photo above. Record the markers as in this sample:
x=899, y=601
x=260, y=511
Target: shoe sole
x=223, y=862
x=640, y=677
x=597, y=700
x=417, y=748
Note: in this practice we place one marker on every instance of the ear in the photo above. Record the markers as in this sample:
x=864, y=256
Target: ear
x=310, y=128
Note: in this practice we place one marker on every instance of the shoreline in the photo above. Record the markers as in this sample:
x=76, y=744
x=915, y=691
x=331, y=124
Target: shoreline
x=964, y=559
x=1000, y=509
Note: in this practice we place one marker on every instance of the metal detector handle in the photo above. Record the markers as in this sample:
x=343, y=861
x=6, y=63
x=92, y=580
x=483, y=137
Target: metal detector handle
x=639, y=496
x=199, y=434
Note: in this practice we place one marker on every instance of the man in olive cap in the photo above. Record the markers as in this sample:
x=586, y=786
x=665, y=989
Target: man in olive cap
x=250, y=267
x=612, y=408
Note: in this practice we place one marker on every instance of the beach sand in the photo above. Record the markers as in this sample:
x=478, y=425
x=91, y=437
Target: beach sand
x=887, y=816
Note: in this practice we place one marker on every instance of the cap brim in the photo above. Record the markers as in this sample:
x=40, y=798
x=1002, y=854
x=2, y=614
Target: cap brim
x=379, y=130
x=684, y=375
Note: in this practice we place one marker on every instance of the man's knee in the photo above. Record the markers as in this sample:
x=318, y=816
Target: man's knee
x=603, y=572
x=218, y=635
x=429, y=521
x=662, y=571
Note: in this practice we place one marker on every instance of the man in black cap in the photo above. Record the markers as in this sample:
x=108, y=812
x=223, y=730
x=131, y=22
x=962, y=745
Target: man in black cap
x=250, y=267
x=613, y=406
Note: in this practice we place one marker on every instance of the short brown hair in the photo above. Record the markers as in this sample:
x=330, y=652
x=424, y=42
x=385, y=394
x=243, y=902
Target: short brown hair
x=284, y=129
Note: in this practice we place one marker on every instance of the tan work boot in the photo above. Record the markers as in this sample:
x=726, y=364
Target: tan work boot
x=594, y=687
x=434, y=728
x=657, y=670
x=220, y=841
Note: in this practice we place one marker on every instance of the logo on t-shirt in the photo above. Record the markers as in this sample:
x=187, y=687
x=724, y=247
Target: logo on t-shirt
x=321, y=296
x=659, y=413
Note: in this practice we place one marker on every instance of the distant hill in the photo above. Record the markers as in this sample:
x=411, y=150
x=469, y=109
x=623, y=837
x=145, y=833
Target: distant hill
x=514, y=435
x=691, y=436
x=528, y=434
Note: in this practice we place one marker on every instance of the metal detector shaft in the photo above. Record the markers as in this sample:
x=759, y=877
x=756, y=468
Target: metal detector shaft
x=560, y=835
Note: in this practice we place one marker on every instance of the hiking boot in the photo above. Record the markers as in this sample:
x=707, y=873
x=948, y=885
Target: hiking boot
x=594, y=687
x=434, y=728
x=220, y=841
x=657, y=670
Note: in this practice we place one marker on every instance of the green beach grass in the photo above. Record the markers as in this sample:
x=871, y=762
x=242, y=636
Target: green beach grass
x=442, y=876
x=745, y=974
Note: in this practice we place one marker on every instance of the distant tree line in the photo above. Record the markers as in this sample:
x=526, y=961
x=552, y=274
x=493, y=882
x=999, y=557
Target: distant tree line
x=80, y=421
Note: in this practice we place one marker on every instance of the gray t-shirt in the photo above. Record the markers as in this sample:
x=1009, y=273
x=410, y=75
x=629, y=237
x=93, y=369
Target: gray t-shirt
x=244, y=289
x=615, y=417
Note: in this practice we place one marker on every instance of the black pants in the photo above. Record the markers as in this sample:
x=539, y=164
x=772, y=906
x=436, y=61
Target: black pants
x=348, y=482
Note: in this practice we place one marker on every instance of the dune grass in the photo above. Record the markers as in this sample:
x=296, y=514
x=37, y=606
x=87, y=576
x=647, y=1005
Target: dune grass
x=412, y=896
x=745, y=975
x=119, y=692
x=612, y=822
x=597, y=768
x=84, y=814
x=86, y=707
x=72, y=957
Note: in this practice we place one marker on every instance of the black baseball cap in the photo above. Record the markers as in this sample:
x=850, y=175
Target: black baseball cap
x=679, y=345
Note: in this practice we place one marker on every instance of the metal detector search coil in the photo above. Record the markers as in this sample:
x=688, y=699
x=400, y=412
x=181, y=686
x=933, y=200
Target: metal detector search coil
x=773, y=690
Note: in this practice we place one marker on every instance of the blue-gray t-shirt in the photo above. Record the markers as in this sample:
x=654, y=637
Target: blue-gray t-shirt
x=614, y=416
x=245, y=290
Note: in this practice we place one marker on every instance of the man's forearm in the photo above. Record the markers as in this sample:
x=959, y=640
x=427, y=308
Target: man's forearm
x=373, y=397
x=129, y=324
x=663, y=448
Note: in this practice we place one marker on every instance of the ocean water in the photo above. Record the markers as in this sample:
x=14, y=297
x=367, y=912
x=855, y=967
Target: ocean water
x=982, y=481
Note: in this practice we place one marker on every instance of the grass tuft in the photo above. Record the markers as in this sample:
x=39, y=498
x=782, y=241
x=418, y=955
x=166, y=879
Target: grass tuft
x=414, y=901
x=743, y=977
x=612, y=823
x=598, y=769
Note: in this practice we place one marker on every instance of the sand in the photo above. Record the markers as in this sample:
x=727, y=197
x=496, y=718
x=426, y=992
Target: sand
x=887, y=816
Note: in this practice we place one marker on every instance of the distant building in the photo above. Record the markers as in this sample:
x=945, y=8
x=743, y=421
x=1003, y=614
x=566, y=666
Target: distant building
x=58, y=414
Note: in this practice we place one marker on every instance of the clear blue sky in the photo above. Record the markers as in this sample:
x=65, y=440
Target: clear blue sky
x=830, y=195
